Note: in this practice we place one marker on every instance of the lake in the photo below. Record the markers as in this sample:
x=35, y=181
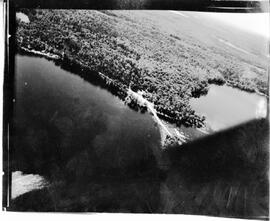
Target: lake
x=224, y=107
x=58, y=114
x=78, y=148
x=60, y=118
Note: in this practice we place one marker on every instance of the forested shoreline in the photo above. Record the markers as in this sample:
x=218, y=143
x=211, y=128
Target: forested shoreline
x=95, y=153
x=88, y=43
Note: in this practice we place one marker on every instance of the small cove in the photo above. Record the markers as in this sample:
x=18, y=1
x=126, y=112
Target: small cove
x=224, y=106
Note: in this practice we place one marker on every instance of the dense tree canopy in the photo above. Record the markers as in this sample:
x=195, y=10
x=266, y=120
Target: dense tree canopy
x=169, y=68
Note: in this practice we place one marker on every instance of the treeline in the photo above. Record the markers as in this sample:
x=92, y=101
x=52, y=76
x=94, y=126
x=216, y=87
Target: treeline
x=168, y=68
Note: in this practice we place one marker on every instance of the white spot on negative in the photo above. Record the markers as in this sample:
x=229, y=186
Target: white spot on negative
x=261, y=109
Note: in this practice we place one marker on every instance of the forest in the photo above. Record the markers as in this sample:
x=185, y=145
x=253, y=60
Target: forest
x=169, y=68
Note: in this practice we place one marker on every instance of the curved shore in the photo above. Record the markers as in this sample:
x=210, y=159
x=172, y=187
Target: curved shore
x=127, y=56
x=134, y=99
x=114, y=86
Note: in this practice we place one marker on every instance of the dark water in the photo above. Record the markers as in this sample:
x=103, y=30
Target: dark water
x=48, y=96
x=224, y=106
x=67, y=128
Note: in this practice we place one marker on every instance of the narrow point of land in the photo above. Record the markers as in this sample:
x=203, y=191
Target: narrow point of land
x=164, y=131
